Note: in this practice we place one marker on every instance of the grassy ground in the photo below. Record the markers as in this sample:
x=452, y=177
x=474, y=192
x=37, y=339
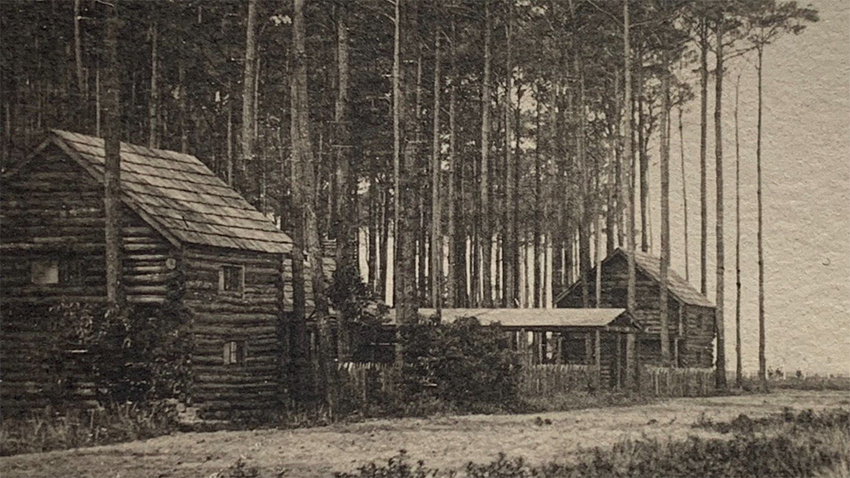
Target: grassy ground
x=443, y=442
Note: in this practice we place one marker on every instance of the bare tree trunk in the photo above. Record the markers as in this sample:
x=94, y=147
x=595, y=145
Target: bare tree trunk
x=457, y=241
x=703, y=146
x=436, y=217
x=684, y=193
x=720, y=372
x=303, y=155
x=510, y=222
x=397, y=284
x=248, y=88
x=112, y=168
x=181, y=105
x=78, y=58
x=346, y=229
x=629, y=164
x=665, y=210
x=383, y=251
x=739, y=368
x=585, y=208
x=643, y=159
x=229, y=146
x=153, y=108
x=762, y=342
x=485, y=236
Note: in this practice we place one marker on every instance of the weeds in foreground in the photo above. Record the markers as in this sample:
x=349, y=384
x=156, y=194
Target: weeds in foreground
x=811, y=445
x=50, y=429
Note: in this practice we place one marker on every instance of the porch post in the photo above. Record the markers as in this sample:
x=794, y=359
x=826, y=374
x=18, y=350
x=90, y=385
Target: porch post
x=598, y=347
x=631, y=364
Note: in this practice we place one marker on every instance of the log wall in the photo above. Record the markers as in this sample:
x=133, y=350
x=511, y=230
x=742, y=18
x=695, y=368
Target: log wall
x=695, y=341
x=53, y=210
x=251, y=318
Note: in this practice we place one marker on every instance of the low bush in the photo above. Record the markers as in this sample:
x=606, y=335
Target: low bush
x=464, y=364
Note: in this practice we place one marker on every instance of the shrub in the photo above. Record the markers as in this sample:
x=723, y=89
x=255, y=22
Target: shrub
x=462, y=363
x=136, y=354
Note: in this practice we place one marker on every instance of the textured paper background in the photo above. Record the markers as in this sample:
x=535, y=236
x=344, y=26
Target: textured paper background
x=806, y=158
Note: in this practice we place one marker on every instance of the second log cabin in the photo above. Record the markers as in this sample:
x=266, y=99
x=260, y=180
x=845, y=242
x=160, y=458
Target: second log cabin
x=690, y=314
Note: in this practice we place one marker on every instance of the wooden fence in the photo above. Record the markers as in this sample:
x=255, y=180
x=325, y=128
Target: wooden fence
x=363, y=384
x=676, y=382
x=548, y=380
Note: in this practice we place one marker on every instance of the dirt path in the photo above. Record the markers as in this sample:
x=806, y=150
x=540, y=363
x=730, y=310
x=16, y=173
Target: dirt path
x=444, y=442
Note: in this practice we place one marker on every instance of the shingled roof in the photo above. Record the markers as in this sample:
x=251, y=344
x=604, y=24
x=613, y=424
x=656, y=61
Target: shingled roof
x=179, y=196
x=651, y=266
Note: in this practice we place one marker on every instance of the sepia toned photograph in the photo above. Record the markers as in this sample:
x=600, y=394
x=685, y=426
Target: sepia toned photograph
x=424, y=238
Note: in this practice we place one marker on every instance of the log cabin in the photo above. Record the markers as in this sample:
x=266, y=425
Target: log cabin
x=690, y=314
x=187, y=237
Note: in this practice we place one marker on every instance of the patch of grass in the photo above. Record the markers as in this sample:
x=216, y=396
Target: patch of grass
x=51, y=429
x=580, y=400
x=810, y=444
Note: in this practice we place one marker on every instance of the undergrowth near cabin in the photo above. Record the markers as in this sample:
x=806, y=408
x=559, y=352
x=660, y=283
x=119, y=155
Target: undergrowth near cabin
x=52, y=429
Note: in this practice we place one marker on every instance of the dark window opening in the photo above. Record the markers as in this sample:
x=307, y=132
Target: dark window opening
x=235, y=352
x=231, y=279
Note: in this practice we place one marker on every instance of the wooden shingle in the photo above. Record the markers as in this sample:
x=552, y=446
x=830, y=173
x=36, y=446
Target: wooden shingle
x=181, y=195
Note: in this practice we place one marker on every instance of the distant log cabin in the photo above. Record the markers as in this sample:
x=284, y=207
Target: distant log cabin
x=187, y=237
x=691, y=315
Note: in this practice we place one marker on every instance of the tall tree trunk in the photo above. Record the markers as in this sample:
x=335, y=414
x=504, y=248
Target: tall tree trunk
x=720, y=373
x=584, y=177
x=407, y=302
x=112, y=168
x=665, y=210
x=436, y=216
x=229, y=146
x=515, y=233
x=684, y=192
x=703, y=147
x=302, y=153
x=421, y=165
x=181, y=106
x=383, y=251
x=457, y=240
x=248, y=88
x=760, y=238
x=510, y=220
x=643, y=158
x=397, y=283
x=345, y=230
x=153, y=107
x=628, y=168
x=78, y=59
x=486, y=235
x=739, y=368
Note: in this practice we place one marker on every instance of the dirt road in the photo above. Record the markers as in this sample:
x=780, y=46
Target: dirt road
x=443, y=442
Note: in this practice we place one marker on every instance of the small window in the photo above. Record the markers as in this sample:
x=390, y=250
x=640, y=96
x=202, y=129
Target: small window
x=235, y=352
x=44, y=272
x=231, y=279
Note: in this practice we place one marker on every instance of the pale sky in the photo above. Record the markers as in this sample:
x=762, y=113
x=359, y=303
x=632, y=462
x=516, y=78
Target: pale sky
x=806, y=174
